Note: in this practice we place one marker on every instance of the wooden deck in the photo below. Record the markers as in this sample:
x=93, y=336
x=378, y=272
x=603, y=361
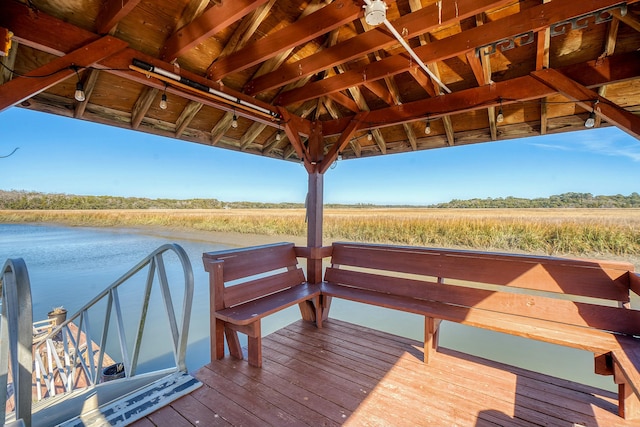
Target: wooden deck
x=345, y=374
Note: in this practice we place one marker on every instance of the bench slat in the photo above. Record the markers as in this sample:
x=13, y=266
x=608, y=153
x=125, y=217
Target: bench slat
x=606, y=280
x=247, y=262
x=567, y=335
x=253, y=289
x=252, y=311
x=613, y=319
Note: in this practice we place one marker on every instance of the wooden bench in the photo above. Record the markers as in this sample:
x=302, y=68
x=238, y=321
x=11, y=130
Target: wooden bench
x=575, y=303
x=248, y=284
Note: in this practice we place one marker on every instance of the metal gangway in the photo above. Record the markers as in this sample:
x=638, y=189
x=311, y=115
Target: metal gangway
x=55, y=375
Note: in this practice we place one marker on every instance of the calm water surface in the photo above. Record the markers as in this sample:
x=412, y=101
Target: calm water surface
x=69, y=266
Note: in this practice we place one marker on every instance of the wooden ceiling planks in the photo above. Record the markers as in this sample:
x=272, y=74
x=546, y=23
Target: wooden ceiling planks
x=323, y=63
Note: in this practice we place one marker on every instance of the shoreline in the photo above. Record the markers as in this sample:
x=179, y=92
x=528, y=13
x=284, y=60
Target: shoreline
x=222, y=237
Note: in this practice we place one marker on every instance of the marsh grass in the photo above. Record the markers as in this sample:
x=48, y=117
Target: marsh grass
x=604, y=232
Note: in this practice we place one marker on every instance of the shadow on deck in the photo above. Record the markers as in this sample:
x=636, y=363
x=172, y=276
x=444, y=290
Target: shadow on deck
x=346, y=374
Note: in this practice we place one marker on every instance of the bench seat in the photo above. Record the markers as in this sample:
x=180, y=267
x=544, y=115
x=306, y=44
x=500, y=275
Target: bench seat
x=248, y=312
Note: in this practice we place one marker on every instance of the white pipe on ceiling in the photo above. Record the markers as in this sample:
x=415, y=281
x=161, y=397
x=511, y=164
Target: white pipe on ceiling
x=408, y=48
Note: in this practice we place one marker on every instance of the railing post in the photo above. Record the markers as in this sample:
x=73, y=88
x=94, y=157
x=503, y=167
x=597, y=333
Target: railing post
x=16, y=331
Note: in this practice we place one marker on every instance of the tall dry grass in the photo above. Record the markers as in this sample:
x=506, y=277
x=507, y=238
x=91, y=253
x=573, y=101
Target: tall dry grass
x=592, y=232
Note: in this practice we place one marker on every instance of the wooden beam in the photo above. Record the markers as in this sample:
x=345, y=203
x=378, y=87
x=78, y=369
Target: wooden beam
x=628, y=19
x=331, y=156
x=112, y=12
x=187, y=115
x=294, y=137
x=344, y=100
x=212, y=21
x=27, y=26
x=59, y=69
x=192, y=10
x=251, y=134
x=89, y=84
x=609, y=49
x=590, y=74
x=533, y=19
x=419, y=22
x=221, y=127
x=142, y=105
x=245, y=31
x=41, y=31
x=584, y=97
x=303, y=30
x=476, y=67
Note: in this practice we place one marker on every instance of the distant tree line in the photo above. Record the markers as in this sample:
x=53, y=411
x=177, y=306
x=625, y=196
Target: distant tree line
x=566, y=200
x=41, y=201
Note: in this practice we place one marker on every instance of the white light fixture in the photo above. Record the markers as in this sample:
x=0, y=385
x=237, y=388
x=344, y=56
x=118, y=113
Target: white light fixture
x=375, y=12
x=79, y=94
x=278, y=136
x=369, y=136
x=500, y=116
x=427, y=128
x=591, y=120
x=234, y=121
x=163, y=102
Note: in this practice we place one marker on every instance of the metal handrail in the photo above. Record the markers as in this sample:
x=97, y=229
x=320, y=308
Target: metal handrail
x=15, y=329
x=57, y=372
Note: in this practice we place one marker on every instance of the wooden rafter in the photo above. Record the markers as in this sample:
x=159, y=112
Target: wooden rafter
x=252, y=133
x=305, y=29
x=609, y=49
x=193, y=9
x=245, y=31
x=112, y=12
x=628, y=19
x=521, y=89
x=415, y=23
x=239, y=38
x=142, y=105
x=585, y=98
x=188, y=114
x=354, y=125
x=26, y=27
x=59, y=69
x=485, y=70
x=533, y=19
x=543, y=43
x=210, y=22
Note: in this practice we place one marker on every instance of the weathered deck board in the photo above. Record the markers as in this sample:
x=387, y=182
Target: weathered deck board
x=346, y=374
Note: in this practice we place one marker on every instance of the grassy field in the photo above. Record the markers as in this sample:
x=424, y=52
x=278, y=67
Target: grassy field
x=610, y=233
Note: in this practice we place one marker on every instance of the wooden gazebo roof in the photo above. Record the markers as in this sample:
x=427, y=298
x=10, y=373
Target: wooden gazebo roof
x=311, y=80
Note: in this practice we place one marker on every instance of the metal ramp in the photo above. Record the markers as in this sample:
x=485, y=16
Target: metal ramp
x=63, y=370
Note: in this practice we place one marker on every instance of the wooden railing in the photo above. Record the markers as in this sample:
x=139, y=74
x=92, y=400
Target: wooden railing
x=15, y=339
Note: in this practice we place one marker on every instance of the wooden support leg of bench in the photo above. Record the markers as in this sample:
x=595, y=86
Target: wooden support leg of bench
x=431, y=328
x=253, y=331
x=217, y=339
x=628, y=401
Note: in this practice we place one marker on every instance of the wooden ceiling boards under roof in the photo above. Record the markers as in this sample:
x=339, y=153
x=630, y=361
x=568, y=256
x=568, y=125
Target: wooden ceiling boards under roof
x=311, y=80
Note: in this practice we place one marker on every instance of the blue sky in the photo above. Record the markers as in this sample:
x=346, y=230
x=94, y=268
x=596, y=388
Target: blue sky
x=60, y=155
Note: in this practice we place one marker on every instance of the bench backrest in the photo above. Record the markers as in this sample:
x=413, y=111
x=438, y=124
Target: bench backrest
x=579, y=292
x=241, y=275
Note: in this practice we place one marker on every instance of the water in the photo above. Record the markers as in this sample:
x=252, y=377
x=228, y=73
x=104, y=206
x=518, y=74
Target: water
x=69, y=266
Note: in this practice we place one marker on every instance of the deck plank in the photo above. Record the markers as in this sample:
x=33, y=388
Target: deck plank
x=345, y=374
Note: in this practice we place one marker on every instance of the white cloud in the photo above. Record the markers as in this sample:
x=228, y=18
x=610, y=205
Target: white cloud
x=608, y=142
